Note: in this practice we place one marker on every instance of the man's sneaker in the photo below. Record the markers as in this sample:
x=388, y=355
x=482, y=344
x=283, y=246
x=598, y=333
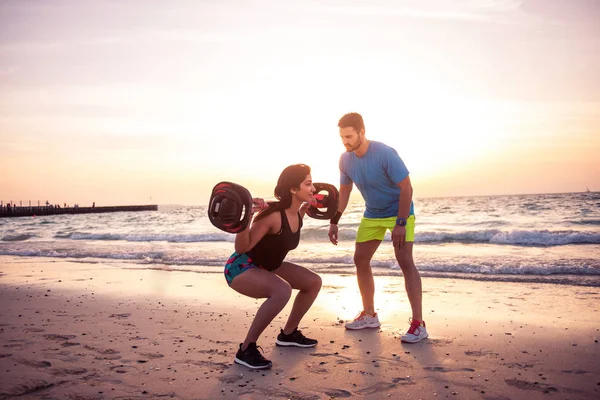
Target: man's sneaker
x=252, y=358
x=295, y=338
x=364, y=320
x=416, y=332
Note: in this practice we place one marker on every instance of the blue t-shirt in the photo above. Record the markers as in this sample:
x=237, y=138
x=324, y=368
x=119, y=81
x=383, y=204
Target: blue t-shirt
x=376, y=175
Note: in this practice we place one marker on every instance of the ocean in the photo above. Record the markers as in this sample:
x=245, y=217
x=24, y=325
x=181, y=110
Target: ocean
x=552, y=238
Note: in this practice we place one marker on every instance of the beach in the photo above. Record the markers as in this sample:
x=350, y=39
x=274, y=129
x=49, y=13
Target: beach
x=86, y=330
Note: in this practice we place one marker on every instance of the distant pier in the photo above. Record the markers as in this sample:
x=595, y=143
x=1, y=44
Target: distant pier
x=48, y=210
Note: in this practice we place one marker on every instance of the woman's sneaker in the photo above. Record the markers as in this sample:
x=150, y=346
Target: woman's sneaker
x=296, y=339
x=416, y=332
x=364, y=320
x=252, y=358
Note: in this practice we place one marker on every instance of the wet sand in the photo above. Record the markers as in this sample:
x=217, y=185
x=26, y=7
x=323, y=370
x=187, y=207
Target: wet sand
x=96, y=331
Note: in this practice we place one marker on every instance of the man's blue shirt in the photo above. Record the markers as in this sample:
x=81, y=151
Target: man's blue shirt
x=376, y=175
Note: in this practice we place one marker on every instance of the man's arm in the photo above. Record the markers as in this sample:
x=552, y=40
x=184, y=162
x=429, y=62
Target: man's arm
x=399, y=231
x=345, y=191
x=405, y=200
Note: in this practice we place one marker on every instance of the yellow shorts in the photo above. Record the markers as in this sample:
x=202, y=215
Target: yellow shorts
x=374, y=228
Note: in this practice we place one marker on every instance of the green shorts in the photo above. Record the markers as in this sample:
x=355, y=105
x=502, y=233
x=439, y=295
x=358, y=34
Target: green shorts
x=374, y=228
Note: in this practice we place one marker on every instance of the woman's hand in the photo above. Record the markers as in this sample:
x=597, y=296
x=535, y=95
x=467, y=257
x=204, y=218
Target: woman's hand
x=258, y=204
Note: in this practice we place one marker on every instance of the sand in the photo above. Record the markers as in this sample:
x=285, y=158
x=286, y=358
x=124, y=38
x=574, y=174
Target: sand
x=81, y=330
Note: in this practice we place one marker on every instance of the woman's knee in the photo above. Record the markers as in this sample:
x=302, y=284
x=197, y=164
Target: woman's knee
x=282, y=291
x=315, y=282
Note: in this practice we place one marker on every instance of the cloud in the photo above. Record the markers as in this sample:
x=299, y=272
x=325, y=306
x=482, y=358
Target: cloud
x=8, y=70
x=463, y=10
x=567, y=11
x=491, y=5
x=150, y=36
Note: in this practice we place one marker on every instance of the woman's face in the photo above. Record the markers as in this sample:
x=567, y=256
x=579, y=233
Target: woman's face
x=306, y=190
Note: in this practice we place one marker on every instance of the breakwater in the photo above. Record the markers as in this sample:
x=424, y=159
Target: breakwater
x=44, y=210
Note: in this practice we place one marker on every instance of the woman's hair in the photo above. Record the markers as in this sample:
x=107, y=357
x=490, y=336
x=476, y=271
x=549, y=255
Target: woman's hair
x=291, y=177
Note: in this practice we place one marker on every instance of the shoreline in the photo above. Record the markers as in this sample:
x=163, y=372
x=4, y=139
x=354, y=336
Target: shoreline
x=581, y=280
x=98, y=331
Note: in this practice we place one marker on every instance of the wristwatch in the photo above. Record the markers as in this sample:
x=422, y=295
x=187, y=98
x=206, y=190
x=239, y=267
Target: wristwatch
x=401, y=221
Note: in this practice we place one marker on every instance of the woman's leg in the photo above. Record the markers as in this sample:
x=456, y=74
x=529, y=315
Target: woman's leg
x=309, y=285
x=259, y=283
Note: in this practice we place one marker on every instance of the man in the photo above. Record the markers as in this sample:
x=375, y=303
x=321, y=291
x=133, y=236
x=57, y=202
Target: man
x=382, y=178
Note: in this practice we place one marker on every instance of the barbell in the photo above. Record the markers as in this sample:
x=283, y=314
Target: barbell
x=230, y=205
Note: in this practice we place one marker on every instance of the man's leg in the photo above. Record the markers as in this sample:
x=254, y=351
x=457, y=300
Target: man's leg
x=412, y=279
x=362, y=259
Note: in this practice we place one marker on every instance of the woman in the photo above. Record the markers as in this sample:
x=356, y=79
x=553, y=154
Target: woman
x=257, y=269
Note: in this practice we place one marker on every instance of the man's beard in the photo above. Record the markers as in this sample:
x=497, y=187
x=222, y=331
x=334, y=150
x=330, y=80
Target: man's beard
x=354, y=147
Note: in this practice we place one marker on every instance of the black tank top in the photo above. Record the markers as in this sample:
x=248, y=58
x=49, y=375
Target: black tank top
x=271, y=250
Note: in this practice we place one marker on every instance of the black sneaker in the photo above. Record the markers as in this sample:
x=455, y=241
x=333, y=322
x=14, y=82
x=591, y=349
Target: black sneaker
x=295, y=338
x=252, y=358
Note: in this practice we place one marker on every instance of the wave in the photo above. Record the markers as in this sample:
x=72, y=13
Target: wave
x=164, y=237
x=333, y=263
x=541, y=238
x=17, y=238
x=491, y=236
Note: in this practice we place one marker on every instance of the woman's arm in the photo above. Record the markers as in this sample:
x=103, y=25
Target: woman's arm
x=249, y=237
x=304, y=209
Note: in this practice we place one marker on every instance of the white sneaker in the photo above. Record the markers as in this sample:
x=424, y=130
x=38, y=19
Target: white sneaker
x=416, y=332
x=364, y=320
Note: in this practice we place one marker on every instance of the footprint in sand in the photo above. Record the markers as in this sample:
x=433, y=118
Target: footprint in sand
x=284, y=394
x=16, y=343
x=152, y=356
x=122, y=369
x=481, y=353
x=35, y=364
x=213, y=351
x=68, y=371
x=13, y=345
x=518, y=365
x=575, y=372
x=436, y=369
x=383, y=386
x=219, y=366
x=524, y=385
x=53, y=336
x=338, y=393
x=28, y=388
x=230, y=378
x=444, y=369
x=34, y=330
x=341, y=359
x=101, y=351
x=120, y=316
x=316, y=370
x=439, y=342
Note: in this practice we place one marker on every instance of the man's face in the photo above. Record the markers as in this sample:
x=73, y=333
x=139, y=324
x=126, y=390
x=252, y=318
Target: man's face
x=350, y=138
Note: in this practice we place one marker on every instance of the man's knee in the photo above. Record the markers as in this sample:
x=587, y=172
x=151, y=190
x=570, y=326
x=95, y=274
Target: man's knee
x=362, y=260
x=405, y=260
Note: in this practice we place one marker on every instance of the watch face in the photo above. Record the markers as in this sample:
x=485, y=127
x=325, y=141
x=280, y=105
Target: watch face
x=401, y=222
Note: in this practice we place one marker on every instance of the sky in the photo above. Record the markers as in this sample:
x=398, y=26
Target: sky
x=137, y=102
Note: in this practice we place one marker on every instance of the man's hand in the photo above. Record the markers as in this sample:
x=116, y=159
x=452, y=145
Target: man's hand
x=398, y=236
x=333, y=234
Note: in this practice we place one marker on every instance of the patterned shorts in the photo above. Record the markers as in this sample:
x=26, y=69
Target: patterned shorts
x=238, y=264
